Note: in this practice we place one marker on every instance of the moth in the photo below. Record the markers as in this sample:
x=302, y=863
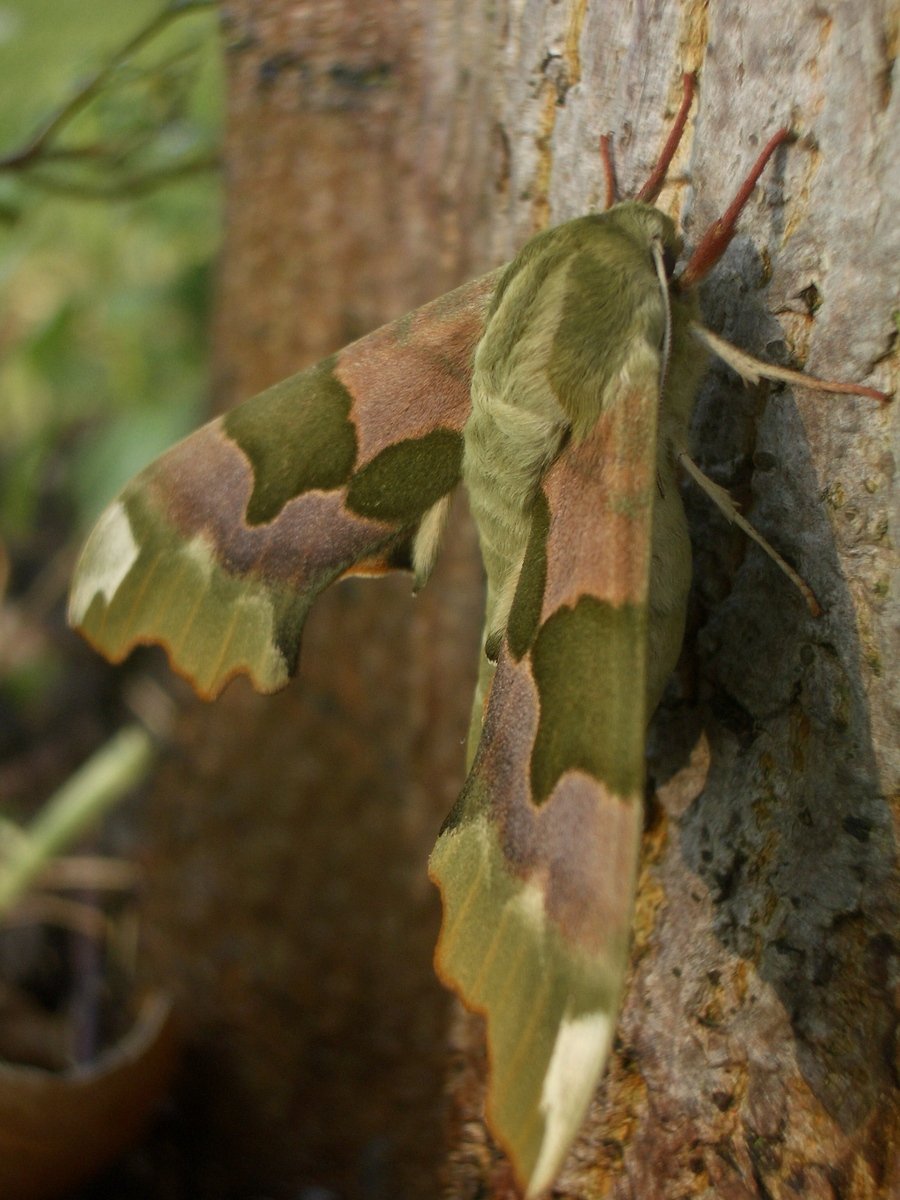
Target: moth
x=559, y=390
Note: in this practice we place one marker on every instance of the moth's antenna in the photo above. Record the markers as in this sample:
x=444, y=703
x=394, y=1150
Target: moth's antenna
x=609, y=170
x=715, y=241
x=656, y=249
x=653, y=186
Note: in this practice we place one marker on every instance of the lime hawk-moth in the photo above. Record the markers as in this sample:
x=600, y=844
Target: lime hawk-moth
x=559, y=389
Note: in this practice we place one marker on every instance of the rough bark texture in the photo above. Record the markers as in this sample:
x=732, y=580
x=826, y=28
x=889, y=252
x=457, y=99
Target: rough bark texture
x=757, y=1049
x=757, y=1053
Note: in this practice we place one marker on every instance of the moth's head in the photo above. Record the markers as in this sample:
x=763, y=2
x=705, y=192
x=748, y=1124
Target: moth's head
x=644, y=225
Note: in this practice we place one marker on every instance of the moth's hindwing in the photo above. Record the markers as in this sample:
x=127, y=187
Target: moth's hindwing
x=219, y=547
x=536, y=864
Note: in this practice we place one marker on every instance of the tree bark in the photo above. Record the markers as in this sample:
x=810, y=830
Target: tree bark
x=288, y=895
x=756, y=1053
x=377, y=155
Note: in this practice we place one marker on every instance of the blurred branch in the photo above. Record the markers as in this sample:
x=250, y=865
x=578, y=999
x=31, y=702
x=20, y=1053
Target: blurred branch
x=41, y=147
x=105, y=777
x=88, y=872
x=92, y=87
x=71, y=915
x=135, y=185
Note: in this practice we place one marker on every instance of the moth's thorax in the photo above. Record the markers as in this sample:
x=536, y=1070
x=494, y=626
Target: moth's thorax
x=573, y=314
x=643, y=223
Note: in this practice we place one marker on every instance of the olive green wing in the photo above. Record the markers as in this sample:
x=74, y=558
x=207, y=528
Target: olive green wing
x=218, y=548
x=537, y=862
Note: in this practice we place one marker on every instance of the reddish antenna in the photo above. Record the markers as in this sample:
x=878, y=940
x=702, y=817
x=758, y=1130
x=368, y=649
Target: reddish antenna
x=715, y=241
x=609, y=170
x=653, y=186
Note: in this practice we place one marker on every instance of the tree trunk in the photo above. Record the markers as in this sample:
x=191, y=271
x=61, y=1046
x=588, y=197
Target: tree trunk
x=377, y=155
x=290, y=834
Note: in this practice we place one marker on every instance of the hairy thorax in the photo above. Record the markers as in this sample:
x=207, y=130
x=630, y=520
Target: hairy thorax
x=570, y=315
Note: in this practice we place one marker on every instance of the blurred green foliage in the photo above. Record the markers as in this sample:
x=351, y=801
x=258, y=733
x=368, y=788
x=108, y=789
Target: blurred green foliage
x=104, y=300
x=109, y=229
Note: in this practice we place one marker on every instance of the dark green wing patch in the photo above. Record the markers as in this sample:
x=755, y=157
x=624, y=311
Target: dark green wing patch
x=407, y=478
x=298, y=436
x=585, y=662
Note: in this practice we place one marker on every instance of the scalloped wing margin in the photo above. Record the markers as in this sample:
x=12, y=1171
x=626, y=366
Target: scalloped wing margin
x=217, y=549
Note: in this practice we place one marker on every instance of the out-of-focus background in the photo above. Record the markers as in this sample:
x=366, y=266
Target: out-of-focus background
x=110, y=221
x=107, y=249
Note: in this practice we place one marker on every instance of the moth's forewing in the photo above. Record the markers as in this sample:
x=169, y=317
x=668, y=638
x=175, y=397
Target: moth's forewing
x=219, y=547
x=536, y=863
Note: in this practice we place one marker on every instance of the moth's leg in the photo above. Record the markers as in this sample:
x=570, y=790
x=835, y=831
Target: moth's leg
x=728, y=507
x=753, y=369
